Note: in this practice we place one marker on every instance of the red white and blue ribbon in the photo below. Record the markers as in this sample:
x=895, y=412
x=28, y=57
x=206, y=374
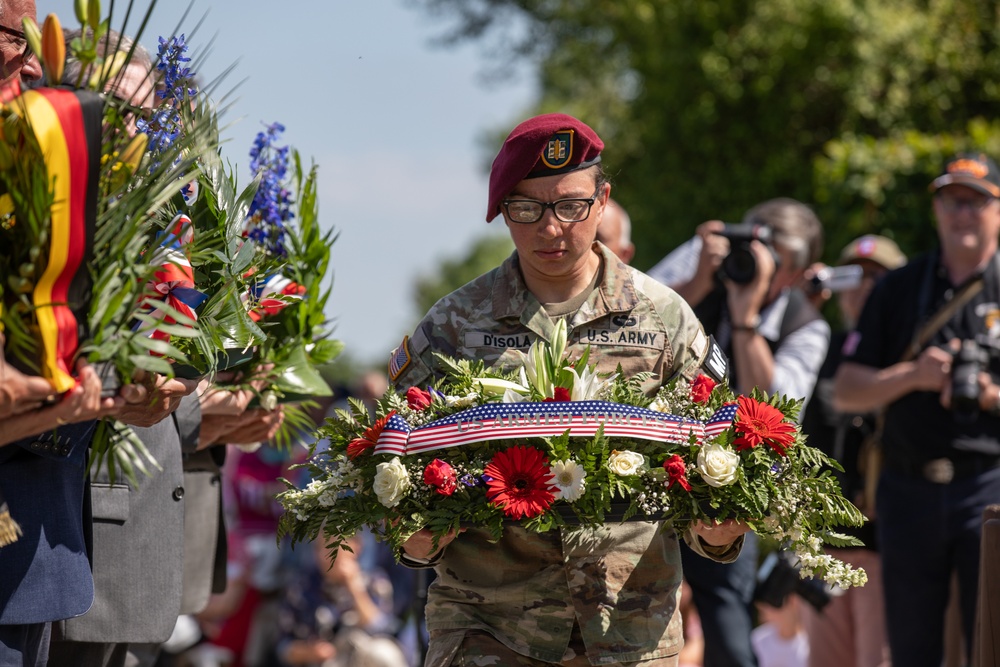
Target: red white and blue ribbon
x=504, y=421
x=264, y=295
x=173, y=281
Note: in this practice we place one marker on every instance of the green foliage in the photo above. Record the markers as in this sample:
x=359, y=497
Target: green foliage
x=879, y=186
x=485, y=254
x=708, y=107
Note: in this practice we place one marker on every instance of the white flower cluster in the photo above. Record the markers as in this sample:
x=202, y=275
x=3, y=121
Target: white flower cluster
x=831, y=570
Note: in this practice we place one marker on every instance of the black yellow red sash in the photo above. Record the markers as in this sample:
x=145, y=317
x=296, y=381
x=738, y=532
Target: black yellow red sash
x=67, y=125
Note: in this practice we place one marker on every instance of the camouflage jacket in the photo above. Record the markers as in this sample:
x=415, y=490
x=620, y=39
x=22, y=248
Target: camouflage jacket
x=620, y=582
x=630, y=319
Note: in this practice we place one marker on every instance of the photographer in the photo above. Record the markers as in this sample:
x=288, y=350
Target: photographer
x=850, y=631
x=776, y=340
x=941, y=457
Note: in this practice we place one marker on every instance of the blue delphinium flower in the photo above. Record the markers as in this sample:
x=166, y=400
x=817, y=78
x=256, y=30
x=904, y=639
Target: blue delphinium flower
x=164, y=125
x=271, y=206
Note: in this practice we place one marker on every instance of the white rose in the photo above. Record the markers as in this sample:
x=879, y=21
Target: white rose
x=717, y=465
x=570, y=478
x=626, y=463
x=391, y=482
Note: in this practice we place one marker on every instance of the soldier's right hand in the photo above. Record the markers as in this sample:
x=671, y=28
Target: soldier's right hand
x=421, y=543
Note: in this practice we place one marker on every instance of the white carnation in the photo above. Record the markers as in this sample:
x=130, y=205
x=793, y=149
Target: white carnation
x=626, y=463
x=717, y=465
x=461, y=401
x=391, y=482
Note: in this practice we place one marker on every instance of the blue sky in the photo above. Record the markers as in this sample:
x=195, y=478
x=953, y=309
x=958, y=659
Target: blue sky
x=394, y=123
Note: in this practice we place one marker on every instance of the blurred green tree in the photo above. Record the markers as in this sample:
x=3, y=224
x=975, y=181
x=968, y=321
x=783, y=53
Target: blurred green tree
x=710, y=106
x=486, y=253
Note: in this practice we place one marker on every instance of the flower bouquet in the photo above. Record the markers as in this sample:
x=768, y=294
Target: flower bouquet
x=89, y=245
x=288, y=301
x=555, y=445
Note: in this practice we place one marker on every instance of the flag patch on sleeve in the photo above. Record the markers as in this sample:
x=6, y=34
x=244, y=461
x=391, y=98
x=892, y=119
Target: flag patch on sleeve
x=399, y=359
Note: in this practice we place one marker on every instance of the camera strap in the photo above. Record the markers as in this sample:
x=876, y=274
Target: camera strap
x=872, y=450
x=937, y=321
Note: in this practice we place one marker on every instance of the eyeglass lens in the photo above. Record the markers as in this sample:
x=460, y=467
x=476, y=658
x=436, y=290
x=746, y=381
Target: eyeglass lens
x=973, y=204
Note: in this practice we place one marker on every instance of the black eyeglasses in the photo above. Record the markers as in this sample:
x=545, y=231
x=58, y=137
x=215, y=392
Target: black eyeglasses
x=527, y=211
x=975, y=204
x=27, y=53
x=128, y=109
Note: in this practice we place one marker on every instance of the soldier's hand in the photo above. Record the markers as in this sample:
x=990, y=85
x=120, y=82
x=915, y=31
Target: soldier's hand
x=719, y=534
x=421, y=543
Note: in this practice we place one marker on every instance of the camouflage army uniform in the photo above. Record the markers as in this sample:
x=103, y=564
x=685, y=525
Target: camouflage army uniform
x=619, y=583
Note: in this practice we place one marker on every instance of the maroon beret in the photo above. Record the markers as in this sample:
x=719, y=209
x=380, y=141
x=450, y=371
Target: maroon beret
x=545, y=145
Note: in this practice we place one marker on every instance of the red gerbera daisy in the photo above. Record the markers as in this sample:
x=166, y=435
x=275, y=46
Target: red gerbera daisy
x=519, y=482
x=758, y=423
x=359, y=446
x=676, y=472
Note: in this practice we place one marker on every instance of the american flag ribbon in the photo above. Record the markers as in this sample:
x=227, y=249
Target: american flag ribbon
x=173, y=280
x=265, y=295
x=504, y=421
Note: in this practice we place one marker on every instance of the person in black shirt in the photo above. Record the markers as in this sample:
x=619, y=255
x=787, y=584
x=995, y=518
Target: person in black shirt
x=850, y=629
x=941, y=464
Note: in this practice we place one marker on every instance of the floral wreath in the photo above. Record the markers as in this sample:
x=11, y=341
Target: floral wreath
x=556, y=444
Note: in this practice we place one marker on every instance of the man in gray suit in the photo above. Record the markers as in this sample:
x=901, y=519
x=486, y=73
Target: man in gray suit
x=159, y=547
x=149, y=564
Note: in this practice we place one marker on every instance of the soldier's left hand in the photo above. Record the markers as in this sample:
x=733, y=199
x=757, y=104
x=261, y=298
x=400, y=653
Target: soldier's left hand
x=720, y=534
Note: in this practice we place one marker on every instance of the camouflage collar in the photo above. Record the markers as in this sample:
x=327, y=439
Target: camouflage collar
x=616, y=292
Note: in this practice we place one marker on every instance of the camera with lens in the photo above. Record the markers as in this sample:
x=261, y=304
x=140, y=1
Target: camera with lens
x=969, y=361
x=740, y=265
x=778, y=577
x=836, y=278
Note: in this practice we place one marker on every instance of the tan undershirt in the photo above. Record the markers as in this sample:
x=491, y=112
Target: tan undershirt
x=563, y=308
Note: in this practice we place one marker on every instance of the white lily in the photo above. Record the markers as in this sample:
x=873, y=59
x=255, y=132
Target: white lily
x=587, y=385
x=499, y=387
x=511, y=396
